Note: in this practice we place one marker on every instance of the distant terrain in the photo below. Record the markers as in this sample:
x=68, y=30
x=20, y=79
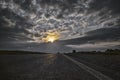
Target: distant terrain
x=3, y=52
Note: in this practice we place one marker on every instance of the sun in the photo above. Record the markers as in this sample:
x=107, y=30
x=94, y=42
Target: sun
x=51, y=37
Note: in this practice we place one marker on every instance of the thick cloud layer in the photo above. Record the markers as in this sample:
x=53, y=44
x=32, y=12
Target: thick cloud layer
x=78, y=22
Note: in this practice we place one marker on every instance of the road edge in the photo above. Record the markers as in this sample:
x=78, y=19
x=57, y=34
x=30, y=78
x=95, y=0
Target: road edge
x=92, y=71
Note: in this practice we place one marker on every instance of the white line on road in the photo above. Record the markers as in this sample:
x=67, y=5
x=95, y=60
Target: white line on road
x=92, y=71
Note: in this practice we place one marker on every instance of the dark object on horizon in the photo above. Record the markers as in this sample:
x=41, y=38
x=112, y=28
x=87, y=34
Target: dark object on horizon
x=74, y=51
x=58, y=53
x=109, y=50
x=106, y=52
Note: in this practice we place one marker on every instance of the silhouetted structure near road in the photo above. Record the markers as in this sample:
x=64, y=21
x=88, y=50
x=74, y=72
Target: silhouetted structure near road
x=74, y=51
x=58, y=52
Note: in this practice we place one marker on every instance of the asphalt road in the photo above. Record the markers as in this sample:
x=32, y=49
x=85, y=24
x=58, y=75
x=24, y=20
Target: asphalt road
x=41, y=67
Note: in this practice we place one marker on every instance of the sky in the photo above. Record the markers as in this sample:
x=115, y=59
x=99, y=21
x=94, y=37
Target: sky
x=83, y=25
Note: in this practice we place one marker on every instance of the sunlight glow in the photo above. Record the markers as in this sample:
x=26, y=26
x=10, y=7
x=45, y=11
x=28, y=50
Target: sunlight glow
x=51, y=37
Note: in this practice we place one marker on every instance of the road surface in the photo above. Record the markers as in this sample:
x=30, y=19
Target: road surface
x=42, y=67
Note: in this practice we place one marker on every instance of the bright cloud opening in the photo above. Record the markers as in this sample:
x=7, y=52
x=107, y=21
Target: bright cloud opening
x=51, y=37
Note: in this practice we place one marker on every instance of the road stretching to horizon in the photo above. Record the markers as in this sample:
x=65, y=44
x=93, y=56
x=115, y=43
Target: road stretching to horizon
x=46, y=67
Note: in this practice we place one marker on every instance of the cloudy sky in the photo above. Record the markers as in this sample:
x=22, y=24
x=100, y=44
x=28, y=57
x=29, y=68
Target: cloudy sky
x=78, y=24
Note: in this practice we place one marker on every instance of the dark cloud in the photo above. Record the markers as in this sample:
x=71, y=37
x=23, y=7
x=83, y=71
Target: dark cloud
x=110, y=4
x=100, y=35
x=9, y=33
